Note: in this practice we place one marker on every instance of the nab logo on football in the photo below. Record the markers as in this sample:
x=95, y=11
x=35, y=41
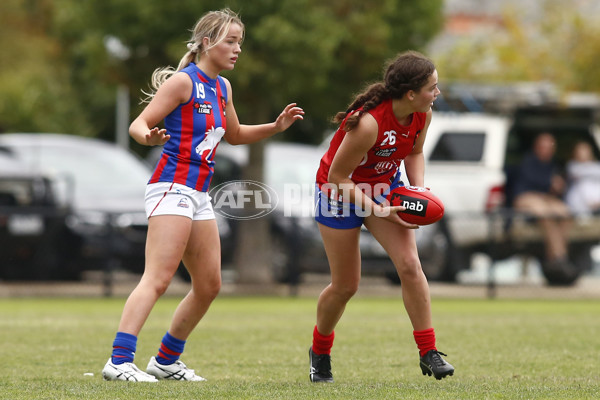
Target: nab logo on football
x=413, y=205
x=243, y=199
x=422, y=207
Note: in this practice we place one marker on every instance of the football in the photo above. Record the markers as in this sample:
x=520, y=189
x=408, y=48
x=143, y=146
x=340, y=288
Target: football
x=422, y=206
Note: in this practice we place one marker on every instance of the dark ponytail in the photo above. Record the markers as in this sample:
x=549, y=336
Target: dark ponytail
x=408, y=71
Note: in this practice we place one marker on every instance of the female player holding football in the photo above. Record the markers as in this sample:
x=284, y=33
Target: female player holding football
x=383, y=127
x=196, y=105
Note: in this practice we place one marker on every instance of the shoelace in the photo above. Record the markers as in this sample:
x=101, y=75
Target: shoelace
x=437, y=360
x=139, y=371
x=183, y=366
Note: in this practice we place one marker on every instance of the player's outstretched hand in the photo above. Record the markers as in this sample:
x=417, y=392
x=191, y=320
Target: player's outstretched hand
x=157, y=137
x=290, y=114
x=391, y=214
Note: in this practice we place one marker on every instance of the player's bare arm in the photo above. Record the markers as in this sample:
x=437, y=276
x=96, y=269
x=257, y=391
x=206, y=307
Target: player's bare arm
x=175, y=91
x=414, y=163
x=355, y=145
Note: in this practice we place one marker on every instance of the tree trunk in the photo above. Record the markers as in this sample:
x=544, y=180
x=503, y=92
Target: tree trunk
x=253, y=250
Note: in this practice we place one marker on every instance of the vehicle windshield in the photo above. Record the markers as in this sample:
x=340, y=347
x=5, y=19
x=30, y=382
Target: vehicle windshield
x=93, y=175
x=291, y=172
x=291, y=168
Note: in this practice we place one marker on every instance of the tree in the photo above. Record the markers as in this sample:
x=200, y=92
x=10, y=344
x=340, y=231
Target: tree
x=559, y=46
x=35, y=91
x=317, y=58
x=309, y=51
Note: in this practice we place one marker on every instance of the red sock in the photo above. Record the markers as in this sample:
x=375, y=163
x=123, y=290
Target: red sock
x=425, y=340
x=322, y=344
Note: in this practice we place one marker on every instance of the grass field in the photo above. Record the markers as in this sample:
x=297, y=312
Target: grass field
x=256, y=348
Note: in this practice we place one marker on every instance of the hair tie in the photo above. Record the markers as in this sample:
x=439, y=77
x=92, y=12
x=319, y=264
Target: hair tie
x=192, y=47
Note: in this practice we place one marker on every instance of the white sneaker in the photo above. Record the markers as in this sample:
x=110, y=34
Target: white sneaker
x=177, y=371
x=125, y=372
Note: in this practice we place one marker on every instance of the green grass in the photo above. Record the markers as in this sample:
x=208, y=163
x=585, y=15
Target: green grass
x=256, y=348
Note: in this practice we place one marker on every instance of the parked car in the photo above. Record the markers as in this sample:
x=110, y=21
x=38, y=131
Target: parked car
x=467, y=159
x=34, y=239
x=99, y=186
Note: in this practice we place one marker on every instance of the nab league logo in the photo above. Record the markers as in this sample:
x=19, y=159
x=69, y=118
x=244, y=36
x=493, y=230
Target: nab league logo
x=385, y=152
x=203, y=108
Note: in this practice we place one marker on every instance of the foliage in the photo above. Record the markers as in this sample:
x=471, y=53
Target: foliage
x=256, y=348
x=560, y=46
x=312, y=52
x=35, y=89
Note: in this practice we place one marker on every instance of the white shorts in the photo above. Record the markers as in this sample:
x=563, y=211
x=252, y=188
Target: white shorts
x=167, y=198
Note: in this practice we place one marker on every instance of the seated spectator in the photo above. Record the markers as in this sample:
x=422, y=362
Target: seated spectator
x=583, y=176
x=537, y=191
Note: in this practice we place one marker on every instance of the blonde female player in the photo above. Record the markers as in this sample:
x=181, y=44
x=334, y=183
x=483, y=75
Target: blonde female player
x=196, y=105
x=383, y=127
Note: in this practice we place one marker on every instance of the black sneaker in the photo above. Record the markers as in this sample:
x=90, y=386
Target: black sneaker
x=320, y=367
x=433, y=363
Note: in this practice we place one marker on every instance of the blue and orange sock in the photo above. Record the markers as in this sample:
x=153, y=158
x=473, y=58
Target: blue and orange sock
x=425, y=340
x=123, y=348
x=170, y=349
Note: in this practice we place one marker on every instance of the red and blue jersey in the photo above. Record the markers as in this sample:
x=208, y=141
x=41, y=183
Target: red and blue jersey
x=196, y=128
x=381, y=163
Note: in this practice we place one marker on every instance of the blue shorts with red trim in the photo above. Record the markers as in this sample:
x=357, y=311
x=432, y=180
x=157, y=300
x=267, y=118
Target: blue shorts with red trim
x=337, y=214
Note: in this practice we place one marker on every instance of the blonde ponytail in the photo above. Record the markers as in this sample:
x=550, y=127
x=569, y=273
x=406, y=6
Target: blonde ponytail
x=213, y=25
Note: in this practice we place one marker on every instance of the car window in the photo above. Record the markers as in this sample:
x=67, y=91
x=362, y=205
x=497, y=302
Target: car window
x=25, y=191
x=95, y=172
x=291, y=168
x=459, y=147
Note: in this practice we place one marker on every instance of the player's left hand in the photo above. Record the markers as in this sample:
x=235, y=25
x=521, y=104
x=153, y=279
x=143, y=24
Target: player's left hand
x=290, y=114
x=157, y=137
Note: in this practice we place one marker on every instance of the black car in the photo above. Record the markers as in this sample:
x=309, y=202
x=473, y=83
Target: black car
x=34, y=240
x=98, y=186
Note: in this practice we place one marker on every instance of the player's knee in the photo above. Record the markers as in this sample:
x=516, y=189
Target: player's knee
x=213, y=289
x=160, y=286
x=207, y=288
x=409, y=268
x=346, y=290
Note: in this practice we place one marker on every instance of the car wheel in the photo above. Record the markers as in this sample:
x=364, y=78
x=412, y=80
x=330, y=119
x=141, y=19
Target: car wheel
x=283, y=259
x=437, y=253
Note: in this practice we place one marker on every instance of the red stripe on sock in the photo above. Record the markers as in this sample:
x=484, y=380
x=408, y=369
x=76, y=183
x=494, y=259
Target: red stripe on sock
x=165, y=350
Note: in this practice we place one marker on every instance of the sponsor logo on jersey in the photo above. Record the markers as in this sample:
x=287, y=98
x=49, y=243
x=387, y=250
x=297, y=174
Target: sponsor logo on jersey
x=385, y=152
x=223, y=104
x=384, y=166
x=203, y=108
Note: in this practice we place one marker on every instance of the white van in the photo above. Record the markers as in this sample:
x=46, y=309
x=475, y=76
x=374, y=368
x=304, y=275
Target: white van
x=467, y=156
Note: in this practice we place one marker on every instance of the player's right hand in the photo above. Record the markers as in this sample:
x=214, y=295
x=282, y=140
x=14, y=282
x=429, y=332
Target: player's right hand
x=391, y=214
